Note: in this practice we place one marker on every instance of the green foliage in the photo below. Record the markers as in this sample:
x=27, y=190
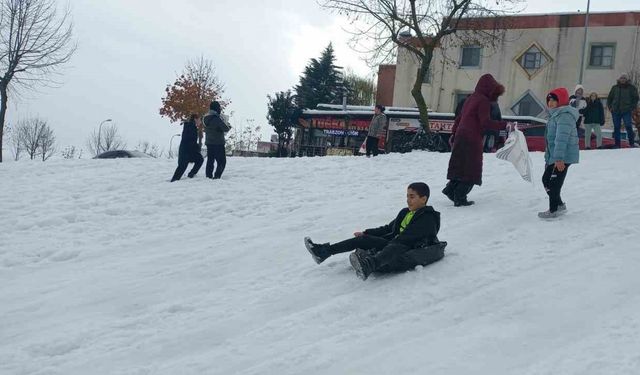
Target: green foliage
x=282, y=114
x=321, y=82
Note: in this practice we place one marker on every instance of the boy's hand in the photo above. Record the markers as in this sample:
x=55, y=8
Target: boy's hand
x=358, y=234
x=560, y=165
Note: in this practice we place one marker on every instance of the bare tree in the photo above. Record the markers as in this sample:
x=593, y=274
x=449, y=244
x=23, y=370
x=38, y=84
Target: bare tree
x=71, y=152
x=244, y=137
x=16, y=147
x=107, y=140
x=35, y=40
x=47, y=143
x=150, y=149
x=29, y=135
x=379, y=27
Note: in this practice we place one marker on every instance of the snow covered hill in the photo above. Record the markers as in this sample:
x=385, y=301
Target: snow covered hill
x=106, y=268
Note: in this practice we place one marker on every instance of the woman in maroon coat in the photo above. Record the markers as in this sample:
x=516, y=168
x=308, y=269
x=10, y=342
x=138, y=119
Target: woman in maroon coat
x=465, y=165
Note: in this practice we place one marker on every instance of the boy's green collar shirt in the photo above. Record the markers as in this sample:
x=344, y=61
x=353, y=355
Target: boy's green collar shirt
x=406, y=220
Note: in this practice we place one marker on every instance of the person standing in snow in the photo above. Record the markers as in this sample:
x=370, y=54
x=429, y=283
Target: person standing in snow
x=593, y=120
x=578, y=101
x=376, y=130
x=407, y=241
x=623, y=98
x=561, y=137
x=214, y=128
x=465, y=164
x=189, y=151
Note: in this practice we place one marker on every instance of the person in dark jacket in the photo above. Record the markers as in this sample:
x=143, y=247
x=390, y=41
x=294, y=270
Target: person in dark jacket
x=407, y=241
x=215, y=127
x=593, y=120
x=465, y=164
x=622, y=100
x=189, y=151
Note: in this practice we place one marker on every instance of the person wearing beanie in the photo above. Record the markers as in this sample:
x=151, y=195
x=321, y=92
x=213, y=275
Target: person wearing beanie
x=622, y=100
x=578, y=101
x=561, y=137
x=465, y=164
x=215, y=127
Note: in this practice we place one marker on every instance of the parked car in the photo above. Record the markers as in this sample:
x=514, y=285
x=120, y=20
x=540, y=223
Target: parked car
x=114, y=154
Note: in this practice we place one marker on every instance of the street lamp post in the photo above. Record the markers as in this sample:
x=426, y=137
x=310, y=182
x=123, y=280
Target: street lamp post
x=100, y=135
x=584, y=42
x=171, y=143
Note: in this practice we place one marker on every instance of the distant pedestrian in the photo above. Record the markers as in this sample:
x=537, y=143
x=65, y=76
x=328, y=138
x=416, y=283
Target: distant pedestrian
x=561, y=137
x=190, y=146
x=376, y=130
x=623, y=98
x=214, y=128
x=593, y=120
x=465, y=164
x=578, y=101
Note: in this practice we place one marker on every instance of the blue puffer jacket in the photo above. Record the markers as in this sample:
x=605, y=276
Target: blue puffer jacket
x=562, y=136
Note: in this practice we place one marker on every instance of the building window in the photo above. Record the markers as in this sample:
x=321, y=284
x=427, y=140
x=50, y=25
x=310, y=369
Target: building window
x=533, y=60
x=602, y=55
x=460, y=96
x=470, y=57
x=527, y=105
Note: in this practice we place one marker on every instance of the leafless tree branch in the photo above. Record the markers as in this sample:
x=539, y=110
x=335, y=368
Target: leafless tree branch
x=35, y=41
x=379, y=27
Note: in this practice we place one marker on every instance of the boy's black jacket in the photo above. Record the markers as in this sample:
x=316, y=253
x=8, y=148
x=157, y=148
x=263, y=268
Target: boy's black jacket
x=422, y=229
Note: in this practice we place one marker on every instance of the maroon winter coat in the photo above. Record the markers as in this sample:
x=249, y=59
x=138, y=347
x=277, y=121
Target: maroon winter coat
x=468, y=129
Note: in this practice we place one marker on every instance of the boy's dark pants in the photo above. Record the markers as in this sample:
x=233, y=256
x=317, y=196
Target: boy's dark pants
x=215, y=153
x=390, y=257
x=553, y=181
x=184, y=158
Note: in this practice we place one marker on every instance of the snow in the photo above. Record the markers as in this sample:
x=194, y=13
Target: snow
x=106, y=268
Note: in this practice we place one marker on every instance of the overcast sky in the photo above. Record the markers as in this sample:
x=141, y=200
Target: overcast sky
x=129, y=50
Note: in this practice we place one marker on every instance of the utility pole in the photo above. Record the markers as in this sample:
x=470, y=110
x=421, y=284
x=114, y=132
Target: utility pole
x=584, y=42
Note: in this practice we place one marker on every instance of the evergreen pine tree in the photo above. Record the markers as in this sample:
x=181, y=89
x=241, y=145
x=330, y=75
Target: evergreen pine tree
x=321, y=82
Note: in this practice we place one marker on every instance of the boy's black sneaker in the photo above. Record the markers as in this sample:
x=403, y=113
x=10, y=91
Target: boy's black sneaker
x=319, y=252
x=362, y=263
x=463, y=202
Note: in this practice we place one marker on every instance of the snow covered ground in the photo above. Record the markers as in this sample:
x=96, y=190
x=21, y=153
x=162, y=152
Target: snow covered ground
x=106, y=268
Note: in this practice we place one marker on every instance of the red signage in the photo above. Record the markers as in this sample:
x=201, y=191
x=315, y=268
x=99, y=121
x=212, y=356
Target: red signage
x=339, y=124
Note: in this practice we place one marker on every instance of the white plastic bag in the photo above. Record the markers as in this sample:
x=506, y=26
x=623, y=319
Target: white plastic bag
x=515, y=150
x=363, y=147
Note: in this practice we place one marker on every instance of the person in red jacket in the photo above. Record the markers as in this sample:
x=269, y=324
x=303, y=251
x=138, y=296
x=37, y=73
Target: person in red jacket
x=465, y=164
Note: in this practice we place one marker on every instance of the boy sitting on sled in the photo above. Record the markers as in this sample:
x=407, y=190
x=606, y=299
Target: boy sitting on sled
x=409, y=240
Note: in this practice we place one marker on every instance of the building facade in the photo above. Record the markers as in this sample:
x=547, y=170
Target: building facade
x=537, y=53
